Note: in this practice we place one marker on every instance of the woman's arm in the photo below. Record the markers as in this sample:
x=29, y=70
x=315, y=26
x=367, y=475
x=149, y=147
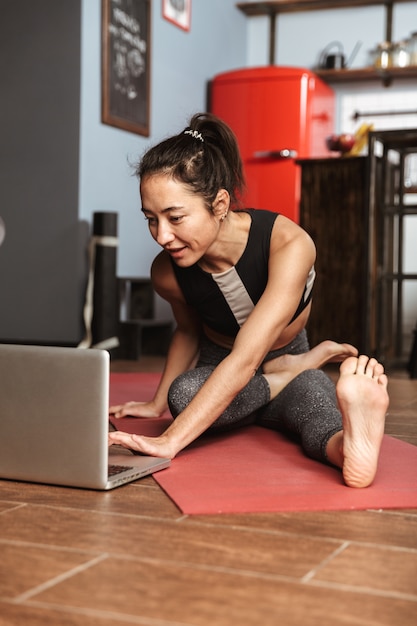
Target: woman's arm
x=183, y=349
x=291, y=257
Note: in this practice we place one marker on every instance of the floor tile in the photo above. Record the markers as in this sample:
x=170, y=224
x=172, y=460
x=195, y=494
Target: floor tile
x=23, y=567
x=135, y=498
x=396, y=528
x=388, y=570
x=19, y=615
x=204, y=597
x=183, y=542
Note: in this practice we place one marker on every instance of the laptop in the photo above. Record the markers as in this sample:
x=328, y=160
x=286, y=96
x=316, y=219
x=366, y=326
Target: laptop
x=54, y=420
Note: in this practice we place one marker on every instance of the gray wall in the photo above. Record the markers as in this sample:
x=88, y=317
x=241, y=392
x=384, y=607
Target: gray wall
x=39, y=158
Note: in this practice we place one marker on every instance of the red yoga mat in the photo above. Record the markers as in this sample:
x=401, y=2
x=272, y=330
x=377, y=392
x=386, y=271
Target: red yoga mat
x=253, y=469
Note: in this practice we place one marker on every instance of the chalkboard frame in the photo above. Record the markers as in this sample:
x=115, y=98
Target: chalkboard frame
x=125, y=64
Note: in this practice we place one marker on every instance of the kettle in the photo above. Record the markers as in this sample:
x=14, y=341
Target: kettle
x=336, y=60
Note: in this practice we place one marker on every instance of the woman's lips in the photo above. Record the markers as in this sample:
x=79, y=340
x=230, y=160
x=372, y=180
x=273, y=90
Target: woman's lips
x=175, y=252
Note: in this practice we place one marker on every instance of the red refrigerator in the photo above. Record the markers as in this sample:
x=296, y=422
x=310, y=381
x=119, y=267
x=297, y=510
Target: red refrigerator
x=279, y=114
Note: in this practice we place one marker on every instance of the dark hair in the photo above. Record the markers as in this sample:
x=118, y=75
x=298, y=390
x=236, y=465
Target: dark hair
x=205, y=156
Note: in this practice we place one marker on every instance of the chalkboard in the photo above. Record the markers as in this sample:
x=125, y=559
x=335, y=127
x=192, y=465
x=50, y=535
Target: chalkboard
x=126, y=64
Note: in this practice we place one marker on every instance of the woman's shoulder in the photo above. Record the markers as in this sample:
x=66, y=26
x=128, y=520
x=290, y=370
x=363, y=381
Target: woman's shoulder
x=286, y=233
x=275, y=227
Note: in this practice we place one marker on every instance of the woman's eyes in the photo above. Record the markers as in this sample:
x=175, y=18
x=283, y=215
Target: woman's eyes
x=152, y=221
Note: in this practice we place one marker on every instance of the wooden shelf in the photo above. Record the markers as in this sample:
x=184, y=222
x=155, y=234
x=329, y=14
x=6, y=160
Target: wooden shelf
x=367, y=74
x=274, y=7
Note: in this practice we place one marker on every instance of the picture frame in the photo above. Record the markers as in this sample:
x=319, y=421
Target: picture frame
x=177, y=12
x=126, y=63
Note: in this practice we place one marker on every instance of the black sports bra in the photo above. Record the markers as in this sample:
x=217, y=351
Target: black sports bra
x=224, y=301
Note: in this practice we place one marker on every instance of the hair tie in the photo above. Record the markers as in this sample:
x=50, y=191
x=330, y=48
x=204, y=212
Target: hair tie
x=195, y=134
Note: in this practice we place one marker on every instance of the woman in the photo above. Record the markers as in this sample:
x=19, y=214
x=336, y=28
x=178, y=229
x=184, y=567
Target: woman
x=239, y=283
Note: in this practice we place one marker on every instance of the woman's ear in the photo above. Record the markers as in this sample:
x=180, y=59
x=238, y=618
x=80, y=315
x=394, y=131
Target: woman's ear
x=221, y=204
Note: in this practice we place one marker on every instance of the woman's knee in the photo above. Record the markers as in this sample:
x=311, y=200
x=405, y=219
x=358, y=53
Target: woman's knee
x=185, y=387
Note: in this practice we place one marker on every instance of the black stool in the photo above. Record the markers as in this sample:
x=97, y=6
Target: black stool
x=412, y=363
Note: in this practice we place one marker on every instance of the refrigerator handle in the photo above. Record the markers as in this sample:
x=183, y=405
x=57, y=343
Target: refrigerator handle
x=276, y=155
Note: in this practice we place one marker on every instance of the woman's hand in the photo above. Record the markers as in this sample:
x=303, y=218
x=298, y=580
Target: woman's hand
x=135, y=409
x=151, y=446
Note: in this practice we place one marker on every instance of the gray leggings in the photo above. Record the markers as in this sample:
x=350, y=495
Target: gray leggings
x=306, y=407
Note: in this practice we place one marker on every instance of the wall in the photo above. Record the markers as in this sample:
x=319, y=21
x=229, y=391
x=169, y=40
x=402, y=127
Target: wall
x=182, y=64
x=40, y=258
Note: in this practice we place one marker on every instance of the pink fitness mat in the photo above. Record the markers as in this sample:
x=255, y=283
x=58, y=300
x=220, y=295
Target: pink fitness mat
x=254, y=470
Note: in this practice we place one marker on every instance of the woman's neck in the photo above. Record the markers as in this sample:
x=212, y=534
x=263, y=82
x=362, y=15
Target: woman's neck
x=229, y=245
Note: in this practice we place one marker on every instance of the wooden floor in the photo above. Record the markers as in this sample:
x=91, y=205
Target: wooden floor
x=72, y=557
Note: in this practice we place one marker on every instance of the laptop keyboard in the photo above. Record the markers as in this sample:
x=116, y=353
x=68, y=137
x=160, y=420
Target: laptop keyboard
x=118, y=469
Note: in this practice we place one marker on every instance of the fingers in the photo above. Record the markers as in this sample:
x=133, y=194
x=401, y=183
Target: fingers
x=116, y=411
x=124, y=439
x=122, y=410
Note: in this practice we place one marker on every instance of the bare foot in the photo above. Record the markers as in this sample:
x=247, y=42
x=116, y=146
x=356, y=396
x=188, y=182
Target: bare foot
x=283, y=369
x=363, y=400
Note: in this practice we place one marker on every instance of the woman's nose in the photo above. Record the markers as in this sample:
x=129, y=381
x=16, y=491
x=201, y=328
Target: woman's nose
x=164, y=234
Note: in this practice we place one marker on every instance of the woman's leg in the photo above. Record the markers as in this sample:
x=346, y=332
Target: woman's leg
x=240, y=412
x=307, y=408
x=342, y=424
x=282, y=366
x=243, y=409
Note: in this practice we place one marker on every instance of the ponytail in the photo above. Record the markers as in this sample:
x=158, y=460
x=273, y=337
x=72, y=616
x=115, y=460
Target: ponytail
x=204, y=156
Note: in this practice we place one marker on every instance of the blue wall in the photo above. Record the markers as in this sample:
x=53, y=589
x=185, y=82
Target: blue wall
x=182, y=63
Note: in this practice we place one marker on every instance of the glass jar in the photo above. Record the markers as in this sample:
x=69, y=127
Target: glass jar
x=382, y=55
x=400, y=54
x=412, y=48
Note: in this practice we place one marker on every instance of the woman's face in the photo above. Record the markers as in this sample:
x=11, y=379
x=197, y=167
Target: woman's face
x=178, y=219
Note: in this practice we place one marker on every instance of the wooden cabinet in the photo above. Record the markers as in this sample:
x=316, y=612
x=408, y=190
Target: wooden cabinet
x=358, y=210
x=392, y=264
x=333, y=210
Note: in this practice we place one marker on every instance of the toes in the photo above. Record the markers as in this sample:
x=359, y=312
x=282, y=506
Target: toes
x=383, y=380
x=378, y=370
x=364, y=366
x=373, y=368
x=349, y=365
x=369, y=367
